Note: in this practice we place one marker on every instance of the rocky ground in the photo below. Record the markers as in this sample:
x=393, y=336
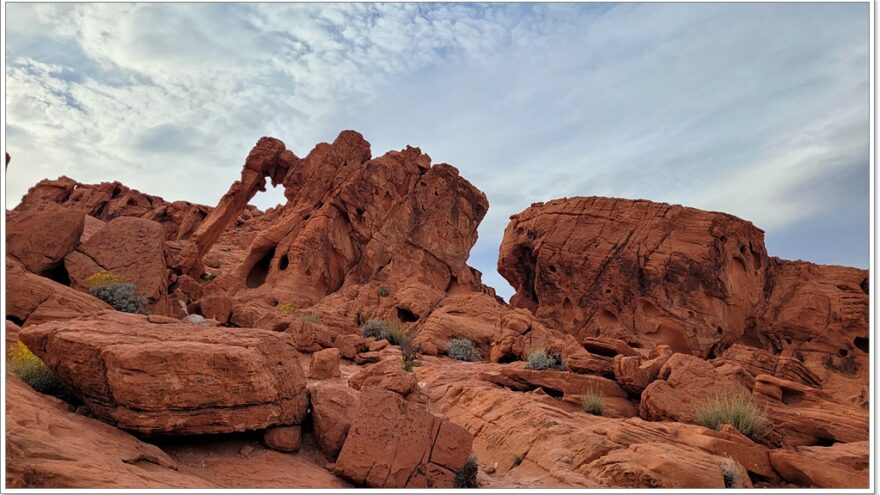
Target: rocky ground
x=250, y=368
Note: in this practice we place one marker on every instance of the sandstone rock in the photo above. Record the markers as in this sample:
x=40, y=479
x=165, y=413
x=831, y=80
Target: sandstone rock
x=47, y=446
x=31, y=299
x=386, y=374
x=635, y=373
x=324, y=364
x=130, y=248
x=12, y=331
x=218, y=307
x=396, y=444
x=842, y=465
x=332, y=409
x=653, y=273
x=41, y=239
x=367, y=357
x=268, y=158
x=683, y=382
x=349, y=345
x=806, y=416
x=760, y=362
x=171, y=377
x=283, y=438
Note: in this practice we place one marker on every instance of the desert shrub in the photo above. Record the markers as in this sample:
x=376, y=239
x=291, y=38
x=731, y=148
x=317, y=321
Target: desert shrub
x=102, y=279
x=518, y=459
x=463, y=350
x=383, y=292
x=542, y=360
x=24, y=363
x=373, y=328
x=208, y=276
x=285, y=308
x=121, y=296
x=394, y=333
x=311, y=318
x=591, y=402
x=408, y=355
x=736, y=409
x=466, y=477
x=730, y=473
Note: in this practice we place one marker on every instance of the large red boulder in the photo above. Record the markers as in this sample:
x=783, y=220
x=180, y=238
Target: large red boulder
x=41, y=239
x=154, y=374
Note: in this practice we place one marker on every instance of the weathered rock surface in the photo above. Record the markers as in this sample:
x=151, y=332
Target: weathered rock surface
x=130, y=248
x=332, y=409
x=41, y=239
x=159, y=375
x=842, y=465
x=387, y=375
x=396, y=444
x=283, y=438
x=31, y=299
x=324, y=364
x=47, y=446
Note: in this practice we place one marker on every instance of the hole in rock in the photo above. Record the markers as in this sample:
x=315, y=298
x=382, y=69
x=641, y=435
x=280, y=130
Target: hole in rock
x=791, y=396
x=552, y=268
x=824, y=441
x=116, y=192
x=608, y=291
x=508, y=358
x=556, y=394
x=257, y=276
x=406, y=316
x=360, y=212
x=58, y=273
x=719, y=331
x=308, y=216
x=843, y=352
x=723, y=238
x=14, y=319
x=525, y=265
x=862, y=344
x=283, y=262
x=281, y=326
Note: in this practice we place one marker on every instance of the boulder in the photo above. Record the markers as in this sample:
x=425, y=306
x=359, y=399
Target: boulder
x=133, y=249
x=157, y=375
x=683, y=382
x=218, y=307
x=644, y=272
x=842, y=465
x=48, y=446
x=31, y=299
x=349, y=345
x=387, y=374
x=283, y=438
x=324, y=364
x=396, y=444
x=635, y=373
x=332, y=409
x=41, y=239
x=760, y=362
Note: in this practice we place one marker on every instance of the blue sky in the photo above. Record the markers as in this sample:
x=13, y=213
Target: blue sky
x=759, y=110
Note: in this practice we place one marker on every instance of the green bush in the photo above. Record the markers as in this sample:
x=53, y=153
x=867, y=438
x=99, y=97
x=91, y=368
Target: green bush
x=591, y=401
x=384, y=330
x=736, y=409
x=463, y=350
x=408, y=355
x=208, y=276
x=394, y=333
x=383, y=292
x=122, y=296
x=543, y=360
x=374, y=328
x=466, y=477
x=24, y=363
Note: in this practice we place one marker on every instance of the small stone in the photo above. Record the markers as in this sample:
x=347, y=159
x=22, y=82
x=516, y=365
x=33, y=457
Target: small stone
x=283, y=438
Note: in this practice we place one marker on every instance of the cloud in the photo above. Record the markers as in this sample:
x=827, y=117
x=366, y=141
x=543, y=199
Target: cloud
x=759, y=110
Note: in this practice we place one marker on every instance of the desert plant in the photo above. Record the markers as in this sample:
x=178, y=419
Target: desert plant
x=736, y=409
x=102, y=278
x=394, y=333
x=518, y=459
x=408, y=355
x=383, y=292
x=466, y=477
x=24, y=363
x=540, y=359
x=285, y=308
x=591, y=402
x=463, y=350
x=311, y=318
x=730, y=473
x=374, y=328
x=121, y=296
x=208, y=276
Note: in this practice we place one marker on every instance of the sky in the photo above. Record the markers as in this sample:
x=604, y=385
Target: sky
x=758, y=110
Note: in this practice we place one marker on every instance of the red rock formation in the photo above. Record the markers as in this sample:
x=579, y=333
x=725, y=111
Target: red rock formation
x=158, y=375
x=393, y=443
x=47, y=446
x=41, y=239
x=268, y=158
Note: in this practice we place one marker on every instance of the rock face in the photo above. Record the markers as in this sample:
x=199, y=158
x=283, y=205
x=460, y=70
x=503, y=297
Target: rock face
x=158, y=375
x=355, y=225
x=31, y=299
x=387, y=375
x=130, y=248
x=843, y=465
x=696, y=281
x=41, y=239
x=393, y=443
x=332, y=409
x=48, y=446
